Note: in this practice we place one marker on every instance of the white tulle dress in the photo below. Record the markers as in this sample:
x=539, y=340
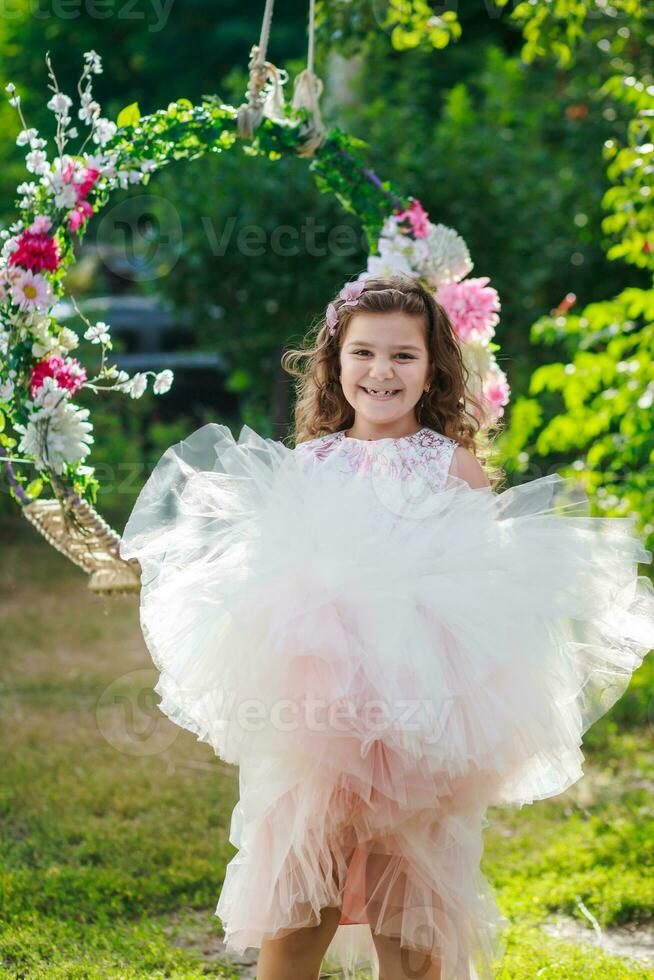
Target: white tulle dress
x=384, y=652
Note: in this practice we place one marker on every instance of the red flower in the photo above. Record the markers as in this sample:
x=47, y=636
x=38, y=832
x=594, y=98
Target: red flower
x=90, y=177
x=68, y=373
x=84, y=186
x=36, y=252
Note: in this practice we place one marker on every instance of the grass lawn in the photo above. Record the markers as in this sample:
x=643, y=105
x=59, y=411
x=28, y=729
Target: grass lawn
x=114, y=822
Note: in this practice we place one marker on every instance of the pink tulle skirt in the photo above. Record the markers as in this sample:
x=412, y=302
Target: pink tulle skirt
x=382, y=667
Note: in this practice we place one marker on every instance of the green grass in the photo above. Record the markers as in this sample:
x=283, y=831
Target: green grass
x=114, y=823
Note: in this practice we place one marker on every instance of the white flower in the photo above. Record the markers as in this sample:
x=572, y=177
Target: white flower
x=11, y=88
x=15, y=101
x=27, y=187
x=6, y=391
x=446, y=258
x=36, y=162
x=113, y=373
x=38, y=143
x=60, y=103
x=103, y=131
x=72, y=133
x=41, y=348
x=391, y=261
x=162, y=382
x=137, y=385
x=66, y=197
x=440, y=257
x=57, y=437
x=148, y=166
x=89, y=110
x=40, y=327
x=92, y=58
x=479, y=360
x=49, y=394
x=98, y=334
x=31, y=291
x=68, y=339
x=25, y=136
x=4, y=341
x=127, y=177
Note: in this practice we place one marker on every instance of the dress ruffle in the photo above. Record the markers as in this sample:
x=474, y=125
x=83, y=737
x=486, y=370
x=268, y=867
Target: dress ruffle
x=383, y=662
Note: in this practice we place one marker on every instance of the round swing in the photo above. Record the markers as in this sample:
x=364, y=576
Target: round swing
x=42, y=429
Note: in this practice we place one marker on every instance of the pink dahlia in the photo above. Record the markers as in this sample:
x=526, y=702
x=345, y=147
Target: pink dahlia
x=36, y=251
x=472, y=306
x=417, y=217
x=68, y=373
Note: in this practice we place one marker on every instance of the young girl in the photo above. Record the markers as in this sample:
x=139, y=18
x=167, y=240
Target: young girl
x=383, y=644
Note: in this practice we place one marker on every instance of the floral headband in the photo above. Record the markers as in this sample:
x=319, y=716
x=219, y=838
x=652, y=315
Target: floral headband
x=349, y=294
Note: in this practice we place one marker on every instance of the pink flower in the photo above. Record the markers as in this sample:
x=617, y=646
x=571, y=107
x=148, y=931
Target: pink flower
x=417, y=217
x=89, y=179
x=31, y=291
x=40, y=225
x=472, y=307
x=77, y=216
x=349, y=294
x=496, y=392
x=36, y=252
x=83, y=186
x=68, y=374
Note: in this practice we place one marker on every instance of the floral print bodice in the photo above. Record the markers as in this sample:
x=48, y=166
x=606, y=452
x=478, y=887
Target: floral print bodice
x=426, y=455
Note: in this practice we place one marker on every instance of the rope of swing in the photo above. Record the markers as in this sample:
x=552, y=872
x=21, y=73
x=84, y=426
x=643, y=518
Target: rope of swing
x=264, y=92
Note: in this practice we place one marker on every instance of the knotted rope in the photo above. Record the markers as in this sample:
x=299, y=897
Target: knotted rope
x=265, y=96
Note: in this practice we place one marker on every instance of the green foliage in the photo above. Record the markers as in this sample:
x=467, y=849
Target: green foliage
x=596, y=406
x=631, y=170
x=558, y=28
x=408, y=24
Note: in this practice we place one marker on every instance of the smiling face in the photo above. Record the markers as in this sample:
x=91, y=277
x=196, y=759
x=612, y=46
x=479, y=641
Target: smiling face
x=384, y=352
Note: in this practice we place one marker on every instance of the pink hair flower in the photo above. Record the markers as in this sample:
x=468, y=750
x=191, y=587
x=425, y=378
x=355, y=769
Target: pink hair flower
x=349, y=294
x=418, y=218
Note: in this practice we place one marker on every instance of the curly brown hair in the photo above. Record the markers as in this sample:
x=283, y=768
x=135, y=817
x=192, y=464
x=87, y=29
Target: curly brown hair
x=321, y=406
